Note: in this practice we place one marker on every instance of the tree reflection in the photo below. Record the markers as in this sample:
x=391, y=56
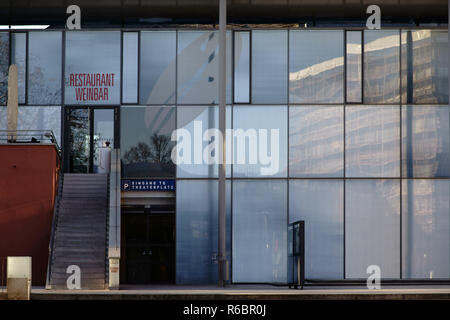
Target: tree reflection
x=157, y=152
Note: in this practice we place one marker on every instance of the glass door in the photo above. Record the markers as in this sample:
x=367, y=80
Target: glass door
x=86, y=130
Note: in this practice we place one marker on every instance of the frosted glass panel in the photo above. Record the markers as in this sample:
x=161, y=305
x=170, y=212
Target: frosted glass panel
x=372, y=141
x=157, y=67
x=198, y=67
x=316, y=141
x=372, y=227
x=250, y=120
x=425, y=141
x=316, y=66
x=197, y=230
x=196, y=120
x=259, y=231
x=425, y=230
x=321, y=204
x=44, y=71
x=269, y=66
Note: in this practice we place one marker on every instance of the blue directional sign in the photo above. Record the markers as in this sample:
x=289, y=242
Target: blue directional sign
x=148, y=185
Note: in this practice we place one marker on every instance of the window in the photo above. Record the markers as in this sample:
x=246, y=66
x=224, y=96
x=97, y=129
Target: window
x=381, y=66
x=157, y=67
x=4, y=65
x=130, y=67
x=372, y=227
x=316, y=138
x=197, y=230
x=425, y=228
x=242, y=67
x=425, y=141
x=259, y=231
x=316, y=66
x=44, y=71
x=92, y=67
x=196, y=120
x=260, y=141
x=198, y=67
x=354, y=66
x=321, y=204
x=19, y=58
x=425, y=66
x=372, y=141
x=145, y=142
x=269, y=66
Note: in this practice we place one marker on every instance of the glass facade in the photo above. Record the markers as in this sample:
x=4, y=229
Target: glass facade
x=350, y=129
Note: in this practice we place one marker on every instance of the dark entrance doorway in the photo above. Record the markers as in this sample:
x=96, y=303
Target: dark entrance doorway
x=87, y=129
x=148, y=245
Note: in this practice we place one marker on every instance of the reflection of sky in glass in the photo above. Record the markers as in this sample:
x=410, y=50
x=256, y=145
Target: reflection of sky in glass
x=130, y=67
x=316, y=66
x=242, y=67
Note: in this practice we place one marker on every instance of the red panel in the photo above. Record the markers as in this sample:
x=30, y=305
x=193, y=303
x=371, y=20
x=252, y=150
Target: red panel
x=28, y=175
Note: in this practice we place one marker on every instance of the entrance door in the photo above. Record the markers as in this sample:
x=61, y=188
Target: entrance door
x=88, y=129
x=148, y=245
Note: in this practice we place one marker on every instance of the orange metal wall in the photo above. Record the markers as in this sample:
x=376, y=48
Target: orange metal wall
x=28, y=182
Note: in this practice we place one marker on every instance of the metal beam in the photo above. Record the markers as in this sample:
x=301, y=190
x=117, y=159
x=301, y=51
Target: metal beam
x=222, y=127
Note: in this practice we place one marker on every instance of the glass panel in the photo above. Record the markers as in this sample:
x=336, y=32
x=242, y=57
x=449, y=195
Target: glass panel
x=425, y=66
x=425, y=144
x=372, y=228
x=260, y=141
x=242, y=67
x=316, y=66
x=372, y=141
x=354, y=66
x=19, y=57
x=196, y=120
x=4, y=65
x=197, y=240
x=269, y=66
x=103, y=132
x=44, y=71
x=198, y=67
x=381, y=66
x=425, y=229
x=35, y=118
x=145, y=141
x=157, y=67
x=316, y=138
x=92, y=67
x=130, y=67
x=320, y=204
x=259, y=231
x=79, y=140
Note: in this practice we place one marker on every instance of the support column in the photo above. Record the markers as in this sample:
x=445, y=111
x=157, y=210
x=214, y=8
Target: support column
x=222, y=128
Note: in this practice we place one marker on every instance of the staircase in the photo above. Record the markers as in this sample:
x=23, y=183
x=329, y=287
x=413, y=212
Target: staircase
x=80, y=232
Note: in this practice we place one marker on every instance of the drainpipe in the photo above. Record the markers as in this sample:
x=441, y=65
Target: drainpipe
x=222, y=128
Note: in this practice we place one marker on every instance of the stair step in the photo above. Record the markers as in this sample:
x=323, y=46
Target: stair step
x=61, y=269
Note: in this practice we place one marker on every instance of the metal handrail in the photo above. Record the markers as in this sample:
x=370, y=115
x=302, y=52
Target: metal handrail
x=28, y=136
x=58, y=196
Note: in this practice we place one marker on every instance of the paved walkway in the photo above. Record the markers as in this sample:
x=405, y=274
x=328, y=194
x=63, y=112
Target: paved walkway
x=245, y=292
